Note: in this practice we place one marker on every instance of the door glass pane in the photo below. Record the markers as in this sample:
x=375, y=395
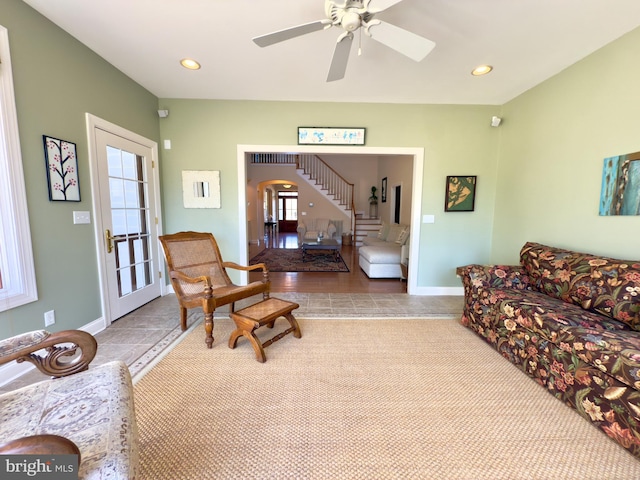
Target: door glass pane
x=115, y=165
x=131, y=194
x=116, y=192
x=129, y=166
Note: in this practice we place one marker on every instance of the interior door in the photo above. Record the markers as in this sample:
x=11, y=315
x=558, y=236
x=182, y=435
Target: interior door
x=397, y=196
x=127, y=200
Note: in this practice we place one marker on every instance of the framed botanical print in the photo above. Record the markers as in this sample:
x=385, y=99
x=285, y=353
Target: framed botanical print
x=62, y=169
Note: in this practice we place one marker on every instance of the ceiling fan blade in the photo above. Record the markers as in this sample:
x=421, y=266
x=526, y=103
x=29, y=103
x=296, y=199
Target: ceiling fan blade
x=340, y=58
x=288, y=33
x=401, y=40
x=377, y=6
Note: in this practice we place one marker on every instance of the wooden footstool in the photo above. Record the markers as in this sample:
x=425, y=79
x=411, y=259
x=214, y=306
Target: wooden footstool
x=263, y=313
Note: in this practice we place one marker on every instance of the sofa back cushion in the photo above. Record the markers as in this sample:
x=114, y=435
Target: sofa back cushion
x=395, y=232
x=603, y=285
x=322, y=224
x=384, y=231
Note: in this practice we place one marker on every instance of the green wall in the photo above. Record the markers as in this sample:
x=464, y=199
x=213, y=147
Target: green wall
x=458, y=140
x=538, y=174
x=555, y=138
x=57, y=80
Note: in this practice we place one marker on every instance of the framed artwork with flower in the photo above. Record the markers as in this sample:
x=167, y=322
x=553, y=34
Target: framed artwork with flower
x=62, y=169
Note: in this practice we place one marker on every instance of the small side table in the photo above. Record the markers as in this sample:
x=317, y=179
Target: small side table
x=263, y=313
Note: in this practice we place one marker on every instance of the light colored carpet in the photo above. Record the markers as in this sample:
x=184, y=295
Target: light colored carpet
x=361, y=399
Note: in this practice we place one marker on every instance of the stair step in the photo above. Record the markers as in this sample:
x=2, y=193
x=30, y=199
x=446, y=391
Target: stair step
x=365, y=226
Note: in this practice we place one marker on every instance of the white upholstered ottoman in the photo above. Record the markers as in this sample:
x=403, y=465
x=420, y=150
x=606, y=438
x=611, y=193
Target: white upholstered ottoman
x=381, y=261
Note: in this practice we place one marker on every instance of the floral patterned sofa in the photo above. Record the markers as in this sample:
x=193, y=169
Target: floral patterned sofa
x=89, y=413
x=571, y=321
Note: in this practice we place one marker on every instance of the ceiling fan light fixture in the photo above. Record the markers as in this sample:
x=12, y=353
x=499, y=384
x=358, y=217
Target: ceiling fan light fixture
x=481, y=70
x=190, y=63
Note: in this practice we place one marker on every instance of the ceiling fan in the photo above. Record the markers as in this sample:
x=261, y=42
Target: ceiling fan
x=351, y=16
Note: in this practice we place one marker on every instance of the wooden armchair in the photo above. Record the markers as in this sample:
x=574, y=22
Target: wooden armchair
x=199, y=277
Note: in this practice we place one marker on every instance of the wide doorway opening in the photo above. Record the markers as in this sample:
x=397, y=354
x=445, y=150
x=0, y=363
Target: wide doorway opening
x=417, y=155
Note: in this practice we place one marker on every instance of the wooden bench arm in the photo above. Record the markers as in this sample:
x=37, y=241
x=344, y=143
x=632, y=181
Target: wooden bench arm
x=247, y=268
x=40, y=445
x=187, y=279
x=59, y=356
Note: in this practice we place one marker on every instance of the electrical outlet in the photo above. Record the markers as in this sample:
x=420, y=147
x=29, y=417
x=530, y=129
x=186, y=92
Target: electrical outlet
x=49, y=318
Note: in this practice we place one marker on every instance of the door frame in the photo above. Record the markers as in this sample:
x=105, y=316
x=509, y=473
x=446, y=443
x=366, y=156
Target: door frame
x=416, y=194
x=94, y=123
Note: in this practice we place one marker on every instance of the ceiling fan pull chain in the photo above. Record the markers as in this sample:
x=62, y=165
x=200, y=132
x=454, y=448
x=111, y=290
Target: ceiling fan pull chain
x=360, y=42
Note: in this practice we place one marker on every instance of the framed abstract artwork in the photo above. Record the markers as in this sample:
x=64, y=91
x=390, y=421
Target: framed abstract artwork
x=201, y=189
x=62, y=169
x=460, y=193
x=620, y=193
x=330, y=136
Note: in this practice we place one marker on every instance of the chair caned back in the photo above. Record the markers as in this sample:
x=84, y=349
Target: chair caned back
x=194, y=254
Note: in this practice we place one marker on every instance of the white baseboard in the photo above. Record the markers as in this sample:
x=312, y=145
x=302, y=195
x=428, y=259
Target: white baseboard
x=432, y=291
x=14, y=370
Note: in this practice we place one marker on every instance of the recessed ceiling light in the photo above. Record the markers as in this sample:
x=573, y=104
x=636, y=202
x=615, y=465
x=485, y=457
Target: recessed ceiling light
x=481, y=70
x=190, y=63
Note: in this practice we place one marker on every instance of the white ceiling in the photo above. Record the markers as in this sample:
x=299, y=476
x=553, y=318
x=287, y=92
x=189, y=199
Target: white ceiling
x=527, y=41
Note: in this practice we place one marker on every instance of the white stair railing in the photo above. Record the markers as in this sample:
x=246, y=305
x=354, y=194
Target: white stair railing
x=329, y=181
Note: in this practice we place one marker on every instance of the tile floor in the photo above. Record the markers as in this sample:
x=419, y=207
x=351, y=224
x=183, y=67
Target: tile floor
x=142, y=335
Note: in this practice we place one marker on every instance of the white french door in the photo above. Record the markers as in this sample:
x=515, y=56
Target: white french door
x=125, y=203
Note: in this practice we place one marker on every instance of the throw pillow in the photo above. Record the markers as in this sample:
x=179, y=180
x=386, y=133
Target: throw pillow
x=402, y=238
x=394, y=233
x=384, y=231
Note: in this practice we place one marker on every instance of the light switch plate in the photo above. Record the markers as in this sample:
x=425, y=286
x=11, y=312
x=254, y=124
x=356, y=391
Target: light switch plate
x=81, y=218
x=428, y=219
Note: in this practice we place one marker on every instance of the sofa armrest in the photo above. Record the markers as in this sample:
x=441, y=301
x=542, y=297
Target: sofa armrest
x=477, y=277
x=43, y=444
x=56, y=354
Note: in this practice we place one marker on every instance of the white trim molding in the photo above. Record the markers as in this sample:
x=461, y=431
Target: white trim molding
x=16, y=251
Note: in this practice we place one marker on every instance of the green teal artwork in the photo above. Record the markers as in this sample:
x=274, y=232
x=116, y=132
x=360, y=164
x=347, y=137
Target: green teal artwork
x=460, y=195
x=620, y=193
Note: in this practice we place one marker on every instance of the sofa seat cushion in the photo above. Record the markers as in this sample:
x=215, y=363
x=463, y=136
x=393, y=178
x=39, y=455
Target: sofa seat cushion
x=608, y=345
x=374, y=242
x=381, y=254
x=94, y=409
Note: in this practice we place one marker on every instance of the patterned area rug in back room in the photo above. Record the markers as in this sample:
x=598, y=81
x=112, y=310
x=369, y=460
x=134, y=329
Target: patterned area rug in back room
x=290, y=260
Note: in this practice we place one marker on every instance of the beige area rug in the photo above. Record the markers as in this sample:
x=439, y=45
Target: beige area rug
x=361, y=399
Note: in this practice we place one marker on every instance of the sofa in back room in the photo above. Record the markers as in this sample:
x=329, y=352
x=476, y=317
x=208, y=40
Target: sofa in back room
x=571, y=321
x=309, y=228
x=382, y=253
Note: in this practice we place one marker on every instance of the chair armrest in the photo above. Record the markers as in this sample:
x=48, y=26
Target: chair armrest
x=40, y=445
x=186, y=278
x=476, y=277
x=59, y=356
x=249, y=268
x=246, y=268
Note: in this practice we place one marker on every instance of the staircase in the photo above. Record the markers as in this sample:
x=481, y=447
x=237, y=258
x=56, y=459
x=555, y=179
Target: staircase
x=319, y=175
x=365, y=226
